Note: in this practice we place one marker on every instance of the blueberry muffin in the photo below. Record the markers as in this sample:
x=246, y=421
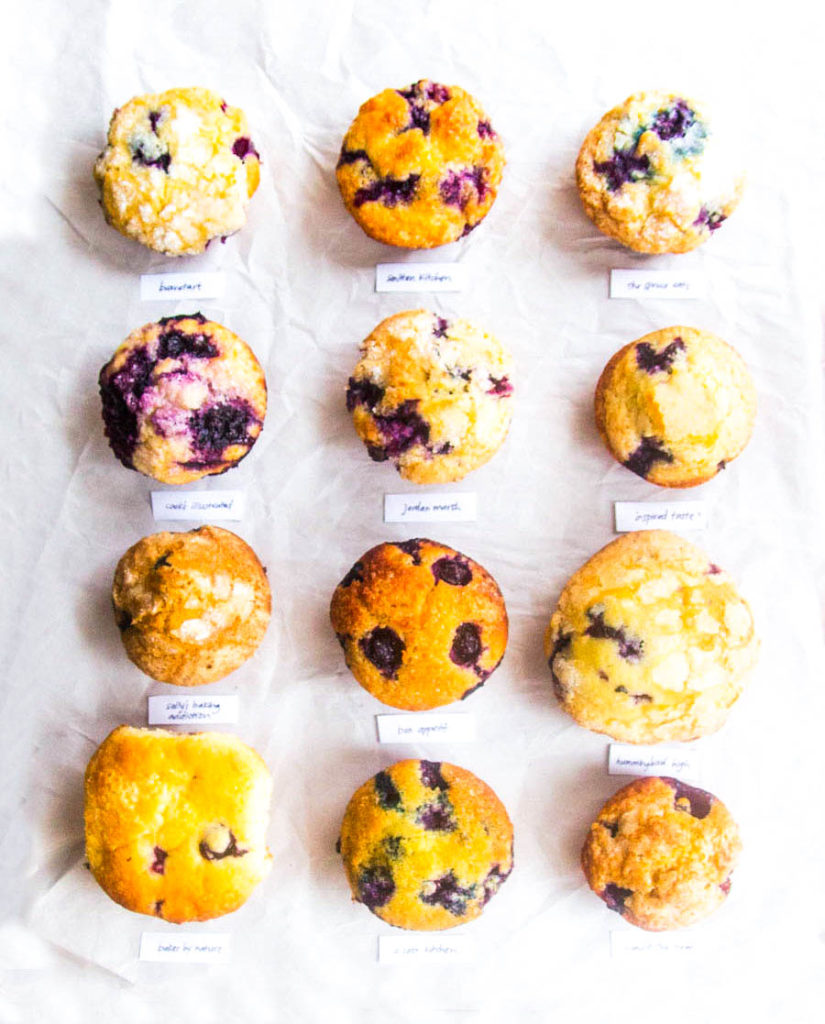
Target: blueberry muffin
x=191, y=607
x=178, y=170
x=433, y=394
x=650, y=641
x=676, y=406
x=421, y=625
x=654, y=175
x=182, y=399
x=176, y=822
x=426, y=845
x=420, y=166
x=661, y=853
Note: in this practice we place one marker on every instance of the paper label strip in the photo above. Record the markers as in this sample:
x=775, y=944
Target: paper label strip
x=420, y=277
x=199, y=505
x=679, y=762
x=656, y=284
x=204, y=285
x=660, y=515
x=190, y=948
x=417, y=728
x=431, y=508
x=627, y=943
x=394, y=950
x=217, y=710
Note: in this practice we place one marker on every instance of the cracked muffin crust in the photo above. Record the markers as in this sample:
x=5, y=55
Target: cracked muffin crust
x=191, y=607
x=426, y=845
x=432, y=394
x=655, y=176
x=421, y=625
x=661, y=853
x=420, y=167
x=650, y=641
x=176, y=822
x=178, y=170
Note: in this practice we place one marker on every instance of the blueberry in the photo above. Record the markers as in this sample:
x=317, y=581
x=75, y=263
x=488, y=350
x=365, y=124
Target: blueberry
x=216, y=427
x=166, y=320
x=419, y=118
x=387, y=792
x=158, y=906
x=648, y=359
x=411, y=548
x=173, y=344
x=493, y=882
x=447, y=893
x=437, y=816
x=561, y=645
x=637, y=698
x=468, y=228
x=457, y=188
x=712, y=570
x=389, y=191
x=352, y=156
x=616, y=897
x=377, y=452
x=611, y=826
x=437, y=93
x=154, y=117
x=362, y=391
x=453, y=570
x=710, y=220
x=401, y=429
x=649, y=451
x=242, y=148
x=162, y=562
x=622, y=167
x=120, y=394
x=431, y=775
x=158, y=865
x=630, y=647
x=725, y=886
x=219, y=842
x=355, y=573
x=699, y=801
x=502, y=387
x=385, y=649
x=140, y=156
x=394, y=846
x=485, y=130
x=123, y=619
x=441, y=325
x=673, y=122
x=375, y=886
x=466, y=646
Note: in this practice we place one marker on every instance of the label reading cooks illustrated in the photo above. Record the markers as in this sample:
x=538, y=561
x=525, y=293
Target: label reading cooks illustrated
x=199, y=505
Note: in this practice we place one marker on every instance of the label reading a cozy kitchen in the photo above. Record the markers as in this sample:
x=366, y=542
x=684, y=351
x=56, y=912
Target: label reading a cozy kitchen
x=220, y=709
x=190, y=948
x=420, y=277
x=431, y=508
x=196, y=505
x=678, y=762
x=656, y=284
x=192, y=285
x=452, y=728
x=660, y=515
x=416, y=950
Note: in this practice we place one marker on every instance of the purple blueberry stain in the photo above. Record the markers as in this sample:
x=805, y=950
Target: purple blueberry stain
x=485, y=130
x=651, y=361
x=673, y=122
x=401, y=429
x=356, y=574
x=630, y=647
x=468, y=228
x=616, y=897
x=623, y=167
x=173, y=344
x=362, y=391
x=447, y=893
x=231, y=849
x=242, y=148
x=501, y=387
x=458, y=187
x=162, y=562
x=699, y=801
x=437, y=816
x=561, y=647
x=411, y=548
x=217, y=427
x=389, y=191
x=376, y=886
x=712, y=570
x=725, y=886
x=123, y=619
x=466, y=646
x=710, y=219
x=612, y=827
x=120, y=394
x=384, y=648
x=431, y=776
x=159, y=907
x=352, y=156
x=452, y=569
x=720, y=465
x=493, y=882
x=158, y=865
x=637, y=698
x=389, y=797
x=155, y=116
x=441, y=326
x=649, y=451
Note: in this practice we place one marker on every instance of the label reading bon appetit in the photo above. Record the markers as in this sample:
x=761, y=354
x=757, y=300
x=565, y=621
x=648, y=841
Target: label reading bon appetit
x=431, y=508
x=418, y=728
x=191, y=948
x=660, y=515
x=678, y=762
x=420, y=277
x=199, y=505
x=204, y=285
x=219, y=709
x=416, y=949
x=656, y=284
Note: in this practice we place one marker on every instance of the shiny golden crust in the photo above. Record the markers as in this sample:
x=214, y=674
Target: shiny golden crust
x=176, y=823
x=433, y=394
x=650, y=641
x=420, y=167
x=653, y=174
x=183, y=398
x=676, y=406
x=661, y=853
x=178, y=170
x=421, y=625
x=191, y=607
x=425, y=845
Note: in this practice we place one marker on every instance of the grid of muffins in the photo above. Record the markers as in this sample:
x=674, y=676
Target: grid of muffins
x=650, y=640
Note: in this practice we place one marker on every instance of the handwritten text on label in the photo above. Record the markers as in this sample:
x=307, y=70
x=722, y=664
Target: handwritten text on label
x=211, y=505
x=655, y=284
x=660, y=515
x=417, y=950
x=629, y=759
x=192, y=948
x=218, y=709
x=455, y=728
x=431, y=508
x=182, y=286
x=420, y=277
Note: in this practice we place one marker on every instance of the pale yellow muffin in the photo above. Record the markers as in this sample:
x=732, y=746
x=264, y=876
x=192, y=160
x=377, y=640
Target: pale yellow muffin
x=676, y=406
x=661, y=853
x=650, y=641
x=654, y=175
x=176, y=822
x=420, y=166
x=421, y=625
x=178, y=170
x=426, y=845
x=191, y=607
x=433, y=394
x=182, y=398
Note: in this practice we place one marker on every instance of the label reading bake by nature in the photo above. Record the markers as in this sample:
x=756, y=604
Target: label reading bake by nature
x=656, y=284
x=431, y=508
x=447, y=728
x=190, y=948
x=192, y=285
x=660, y=515
x=420, y=277
x=678, y=762
x=197, y=505
x=421, y=949
x=218, y=709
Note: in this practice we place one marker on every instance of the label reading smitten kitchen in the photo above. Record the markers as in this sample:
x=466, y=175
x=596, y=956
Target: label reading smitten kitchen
x=420, y=277
x=211, y=505
x=204, y=285
x=660, y=515
x=630, y=942
x=216, y=710
x=452, y=728
x=191, y=948
x=678, y=762
x=394, y=950
x=656, y=284
x=430, y=508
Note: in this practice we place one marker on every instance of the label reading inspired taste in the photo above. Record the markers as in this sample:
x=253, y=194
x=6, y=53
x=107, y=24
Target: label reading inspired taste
x=191, y=948
x=217, y=710
x=182, y=286
x=660, y=515
x=453, y=728
x=656, y=284
x=420, y=277
x=431, y=508
x=416, y=949
x=678, y=762
x=196, y=505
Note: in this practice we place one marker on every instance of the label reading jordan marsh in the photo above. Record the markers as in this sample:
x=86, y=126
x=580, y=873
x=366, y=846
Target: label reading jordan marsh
x=192, y=285
x=420, y=277
x=394, y=950
x=678, y=762
x=625, y=943
x=660, y=515
x=219, y=709
x=209, y=505
x=191, y=948
x=431, y=508
x=656, y=284
x=452, y=728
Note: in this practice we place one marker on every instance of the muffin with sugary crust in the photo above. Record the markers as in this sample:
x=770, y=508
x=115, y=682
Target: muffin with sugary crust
x=182, y=398
x=655, y=176
x=661, y=853
x=420, y=166
x=421, y=625
x=650, y=641
x=176, y=822
x=191, y=607
x=432, y=394
x=426, y=845
x=178, y=170
x=676, y=406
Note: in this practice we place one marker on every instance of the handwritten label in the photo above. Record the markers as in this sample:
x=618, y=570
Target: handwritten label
x=629, y=759
x=192, y=948
x=211, y=505
x=656, y=284
x=455, y=728
x=392, y=949
x=205, y=285
x=626, y=942
x=218, y=710
x=660, y=515
x=432, y=508
x=420, y=277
